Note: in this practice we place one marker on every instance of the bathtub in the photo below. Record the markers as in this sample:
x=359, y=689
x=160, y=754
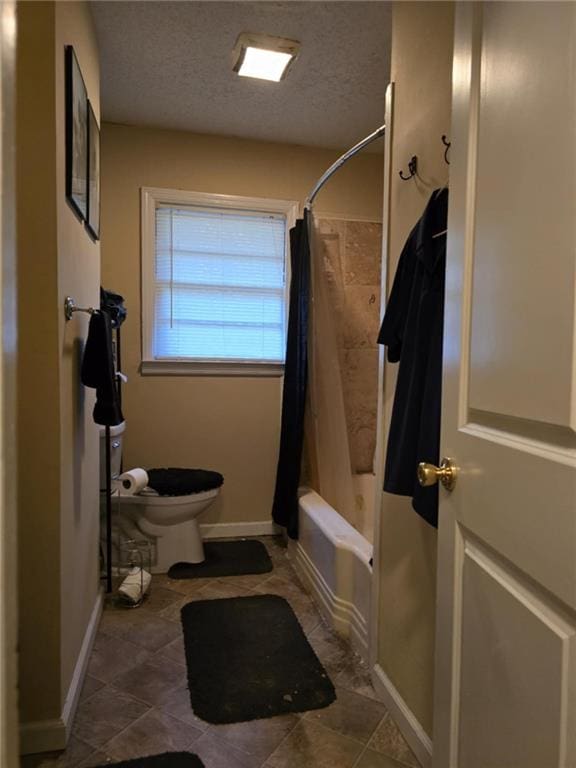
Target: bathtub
x=333, y=561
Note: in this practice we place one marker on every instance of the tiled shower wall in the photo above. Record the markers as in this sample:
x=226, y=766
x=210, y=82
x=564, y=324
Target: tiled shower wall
x=351, y=256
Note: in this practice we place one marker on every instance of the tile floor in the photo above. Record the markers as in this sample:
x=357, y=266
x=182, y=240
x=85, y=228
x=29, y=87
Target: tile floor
x=135, y=701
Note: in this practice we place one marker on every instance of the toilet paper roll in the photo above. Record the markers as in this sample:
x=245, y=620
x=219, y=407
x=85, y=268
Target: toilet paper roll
x=135, y=585
x=133, y=481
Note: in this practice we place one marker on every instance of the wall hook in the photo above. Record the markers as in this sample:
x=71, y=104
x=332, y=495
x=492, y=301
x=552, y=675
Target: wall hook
x=412, y=168
x=447, y=144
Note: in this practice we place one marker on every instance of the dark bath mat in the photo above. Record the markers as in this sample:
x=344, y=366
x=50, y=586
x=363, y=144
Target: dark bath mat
x=248, y=658
x=166, y=760
x=226, y=558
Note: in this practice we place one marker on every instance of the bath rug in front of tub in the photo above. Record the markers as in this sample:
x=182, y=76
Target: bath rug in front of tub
x=226, y=558
x=248, y=658
x=166, y=760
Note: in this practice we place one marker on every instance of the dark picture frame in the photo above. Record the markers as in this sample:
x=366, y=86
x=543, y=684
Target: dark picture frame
x=93, y=175
x=76, y=136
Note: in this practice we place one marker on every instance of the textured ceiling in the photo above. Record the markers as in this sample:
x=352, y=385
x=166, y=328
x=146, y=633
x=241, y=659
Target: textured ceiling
x=169, y=64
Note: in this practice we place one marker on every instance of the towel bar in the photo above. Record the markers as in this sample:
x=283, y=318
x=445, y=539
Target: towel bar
x=70, y=307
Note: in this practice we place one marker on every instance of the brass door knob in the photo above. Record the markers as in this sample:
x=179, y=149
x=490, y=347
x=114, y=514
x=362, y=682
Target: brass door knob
x=428, y=474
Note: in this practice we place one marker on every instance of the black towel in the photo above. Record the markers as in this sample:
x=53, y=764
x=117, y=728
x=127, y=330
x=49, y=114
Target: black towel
x=98, y=370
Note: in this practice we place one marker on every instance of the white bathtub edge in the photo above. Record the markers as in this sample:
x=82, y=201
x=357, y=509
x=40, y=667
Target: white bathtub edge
x=338, y=530
x=333, y=561
x=340, y=614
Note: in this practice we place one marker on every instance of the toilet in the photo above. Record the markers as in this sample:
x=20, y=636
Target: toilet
x=166, y=512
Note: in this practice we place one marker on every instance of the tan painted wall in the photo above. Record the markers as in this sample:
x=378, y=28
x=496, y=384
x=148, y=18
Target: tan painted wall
x=58, y=443
x=227, y=424
x=421, y=68
x=79, y=277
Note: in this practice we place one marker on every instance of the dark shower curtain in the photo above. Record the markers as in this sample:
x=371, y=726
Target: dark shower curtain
x=285, y=507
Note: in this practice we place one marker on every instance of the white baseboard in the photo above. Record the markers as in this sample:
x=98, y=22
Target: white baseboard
x=417, y=738
x=75, y=689
x=52, y=735
x=230, y=530
x=340, y=614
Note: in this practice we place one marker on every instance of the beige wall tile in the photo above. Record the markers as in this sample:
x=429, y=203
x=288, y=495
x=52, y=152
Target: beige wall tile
x=363, y=253
x=351, y=256
x=360, y=320
x=360, y=380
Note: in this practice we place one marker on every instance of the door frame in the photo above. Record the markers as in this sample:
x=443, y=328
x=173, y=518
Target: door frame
x=380, y=410
x=8, y=355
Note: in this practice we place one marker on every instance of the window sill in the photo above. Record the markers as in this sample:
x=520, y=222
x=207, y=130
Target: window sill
x=199, y=368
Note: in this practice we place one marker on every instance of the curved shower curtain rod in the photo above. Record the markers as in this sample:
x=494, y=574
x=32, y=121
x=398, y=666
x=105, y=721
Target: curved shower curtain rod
x=341, y=160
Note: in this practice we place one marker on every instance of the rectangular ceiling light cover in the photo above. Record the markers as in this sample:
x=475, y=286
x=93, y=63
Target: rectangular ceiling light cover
x=263, y=56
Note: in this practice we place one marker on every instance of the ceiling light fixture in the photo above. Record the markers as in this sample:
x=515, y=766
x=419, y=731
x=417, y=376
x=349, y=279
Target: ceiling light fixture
x=263, y=56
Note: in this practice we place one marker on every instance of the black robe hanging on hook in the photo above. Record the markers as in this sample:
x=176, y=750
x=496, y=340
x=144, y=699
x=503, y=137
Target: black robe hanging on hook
x=412, y=332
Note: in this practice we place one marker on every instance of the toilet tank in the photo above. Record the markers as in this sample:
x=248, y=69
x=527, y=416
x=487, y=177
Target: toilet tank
x=116, y=438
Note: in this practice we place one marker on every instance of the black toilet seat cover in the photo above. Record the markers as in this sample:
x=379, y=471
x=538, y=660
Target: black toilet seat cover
x=183, y=482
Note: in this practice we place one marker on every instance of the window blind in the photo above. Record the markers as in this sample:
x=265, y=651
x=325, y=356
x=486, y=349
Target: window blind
x=219, y=285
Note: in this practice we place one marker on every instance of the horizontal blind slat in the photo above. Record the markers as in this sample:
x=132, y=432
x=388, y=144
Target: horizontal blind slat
x=214, y=287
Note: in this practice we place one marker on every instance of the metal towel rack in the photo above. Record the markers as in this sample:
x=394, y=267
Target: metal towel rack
x=70, y=307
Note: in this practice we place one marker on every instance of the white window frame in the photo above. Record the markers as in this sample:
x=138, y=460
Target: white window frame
x=151, y=197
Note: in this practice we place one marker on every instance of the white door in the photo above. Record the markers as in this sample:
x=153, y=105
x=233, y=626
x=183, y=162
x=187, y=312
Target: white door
x=506, y=627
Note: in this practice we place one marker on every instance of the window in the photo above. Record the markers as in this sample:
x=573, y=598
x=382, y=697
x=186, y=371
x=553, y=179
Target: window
x=214, y=283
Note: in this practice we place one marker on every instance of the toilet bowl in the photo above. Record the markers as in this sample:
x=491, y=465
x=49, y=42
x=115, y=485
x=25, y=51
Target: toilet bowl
x=152, y=514
x=169, y=510
x=167, y=515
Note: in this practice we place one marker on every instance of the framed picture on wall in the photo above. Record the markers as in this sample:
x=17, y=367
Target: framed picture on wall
x=93, y=218
x=76, y=136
